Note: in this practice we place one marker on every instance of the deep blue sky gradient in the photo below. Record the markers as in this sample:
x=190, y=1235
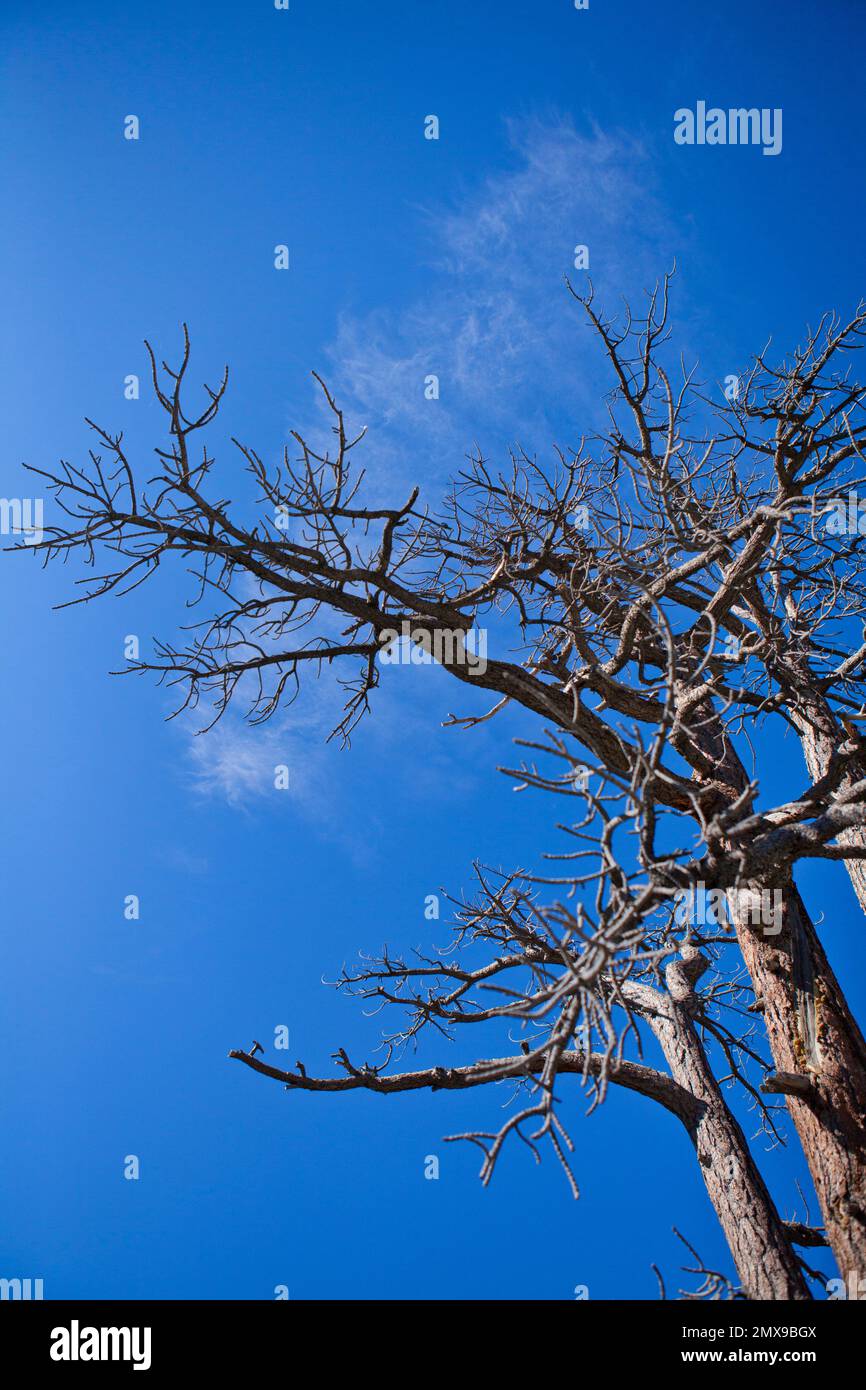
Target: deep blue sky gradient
x=305, y=127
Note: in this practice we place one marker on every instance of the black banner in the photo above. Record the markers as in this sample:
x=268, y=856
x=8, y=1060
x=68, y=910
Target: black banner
x=80, y=1338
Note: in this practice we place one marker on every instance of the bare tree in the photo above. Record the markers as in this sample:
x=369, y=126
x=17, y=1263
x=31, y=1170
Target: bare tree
x=581, y=990
x=675, y=571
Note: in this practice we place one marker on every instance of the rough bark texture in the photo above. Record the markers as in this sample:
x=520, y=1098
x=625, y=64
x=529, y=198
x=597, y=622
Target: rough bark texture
x=762, y=1252
x=821, y=737
x=811, y=1033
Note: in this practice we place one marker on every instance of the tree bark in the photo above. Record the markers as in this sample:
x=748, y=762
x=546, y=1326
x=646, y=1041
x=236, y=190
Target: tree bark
x=761, y=1249
x=759, y=1241
x=821, y=737
x=821, y=734
x=812, y=1034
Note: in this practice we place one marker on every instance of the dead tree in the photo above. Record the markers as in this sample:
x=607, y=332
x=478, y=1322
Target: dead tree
x=664, y=596
x=581, y=990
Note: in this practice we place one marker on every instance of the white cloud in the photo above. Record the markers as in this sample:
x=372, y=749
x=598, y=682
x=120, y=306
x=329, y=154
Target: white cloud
x=235, y=762
x=495, y=322
x=238, y=761
x=516, y=363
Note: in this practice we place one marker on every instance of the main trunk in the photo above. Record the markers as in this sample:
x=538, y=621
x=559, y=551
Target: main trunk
x=812, y=1034
x=763, y=1255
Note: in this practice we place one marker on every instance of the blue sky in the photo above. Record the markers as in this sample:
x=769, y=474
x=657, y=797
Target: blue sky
x=408, y=256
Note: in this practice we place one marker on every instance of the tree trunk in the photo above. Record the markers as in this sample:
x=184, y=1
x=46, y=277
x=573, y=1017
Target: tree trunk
x=762, y=1252
x=812, y=1035
x=821, y=736
x=820, y=732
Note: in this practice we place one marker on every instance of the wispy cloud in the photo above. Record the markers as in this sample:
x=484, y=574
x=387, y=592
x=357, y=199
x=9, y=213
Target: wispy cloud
x=234, y=762
x=515, y=363
x=179, y=857
x=243, y=764
x=494, y=321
